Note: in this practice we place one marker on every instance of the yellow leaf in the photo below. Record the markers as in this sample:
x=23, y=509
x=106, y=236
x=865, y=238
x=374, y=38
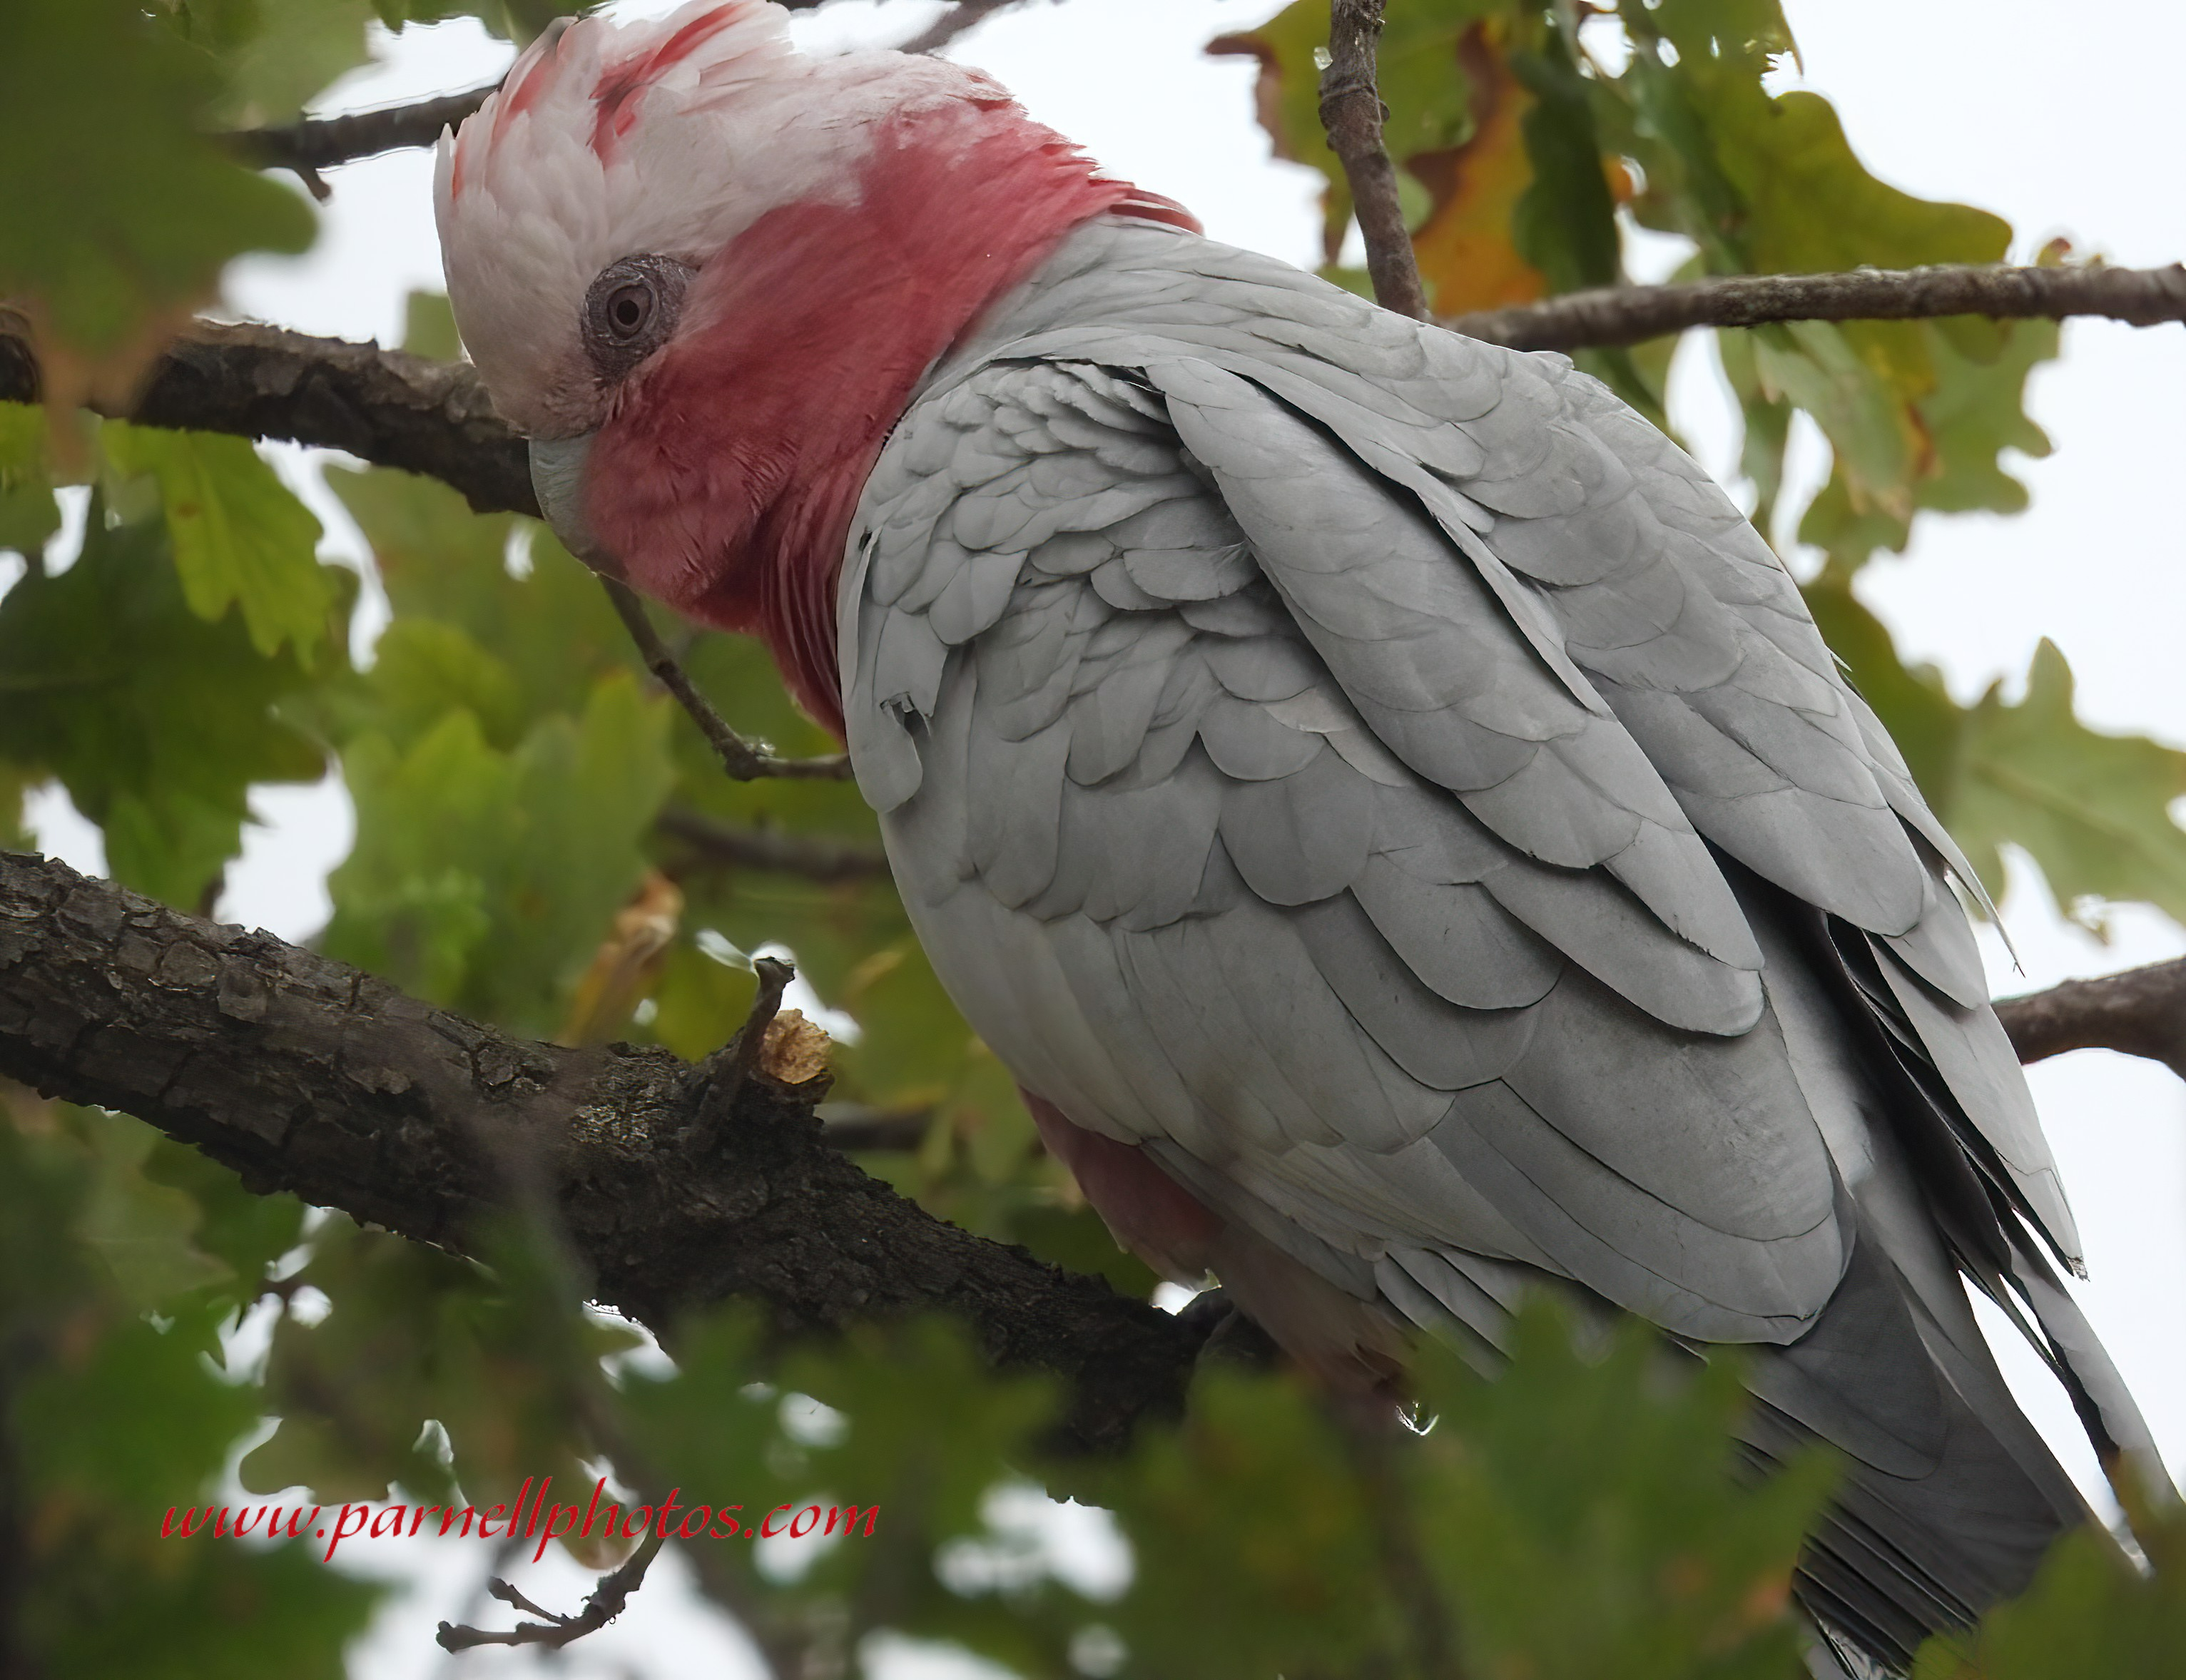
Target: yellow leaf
x=1465, y=250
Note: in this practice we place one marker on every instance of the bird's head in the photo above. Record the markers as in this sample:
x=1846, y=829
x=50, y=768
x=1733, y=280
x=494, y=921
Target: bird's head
x=704, y=271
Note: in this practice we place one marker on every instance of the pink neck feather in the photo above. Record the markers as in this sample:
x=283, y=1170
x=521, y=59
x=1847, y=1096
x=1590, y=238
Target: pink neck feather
x=727, y=480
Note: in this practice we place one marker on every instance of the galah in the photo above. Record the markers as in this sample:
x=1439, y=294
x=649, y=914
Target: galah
x=1391, y=812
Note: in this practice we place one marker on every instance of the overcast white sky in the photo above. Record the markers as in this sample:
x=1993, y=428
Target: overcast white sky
x=2066, y=120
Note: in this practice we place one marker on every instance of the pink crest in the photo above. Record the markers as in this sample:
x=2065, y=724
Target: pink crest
x=615, y=94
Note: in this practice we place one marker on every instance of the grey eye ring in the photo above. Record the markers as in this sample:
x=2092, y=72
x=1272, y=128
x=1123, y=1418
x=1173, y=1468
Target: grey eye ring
x=629, y=311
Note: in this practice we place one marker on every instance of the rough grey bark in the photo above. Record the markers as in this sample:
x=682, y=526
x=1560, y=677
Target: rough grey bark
x=383, y=405
x=675, y=1189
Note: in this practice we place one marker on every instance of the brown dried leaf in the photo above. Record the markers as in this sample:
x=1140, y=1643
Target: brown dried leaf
x=794, y=1051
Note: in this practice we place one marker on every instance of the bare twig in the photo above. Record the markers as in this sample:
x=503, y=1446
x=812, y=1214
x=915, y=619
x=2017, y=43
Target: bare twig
x=744, y=760
x=1426, y=1613
x=1628, y=314
x=606, y=1602
x=722, y=1076
x=315, y=143
x=1351, y=111
x=2140, y=1012
x=817, y=857
x=321, y=143
x=853, y=1127
x=963, y=15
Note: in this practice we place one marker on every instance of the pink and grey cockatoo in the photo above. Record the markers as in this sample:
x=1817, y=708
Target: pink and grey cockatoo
x=1388, y=809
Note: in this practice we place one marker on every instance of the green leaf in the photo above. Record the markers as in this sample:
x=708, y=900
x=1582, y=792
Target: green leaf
x=428, y=327
x=156, y=721
x=503, y=1357
x=487, y=879
x=198, y=1608
x=411, y=900
x=140, y=1228
x=1915, y=412
x=240, y=534
x=2089, y=1612
x=112, y=1417
x=2092, y=809
x=28, y=512
x=115, y=206
x=246, y=1231
x=277, y=53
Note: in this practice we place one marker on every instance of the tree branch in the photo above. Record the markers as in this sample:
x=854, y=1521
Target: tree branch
x=1351, y=111
x=1628, y=314
x=383, y=405
x=315, y=143
x=604, y=1604
x=433, y=417
x=307, y=1076
x=817, y=857
x=965, y=15
x=321, y=143
x=744, y=760
x=2140, y=1012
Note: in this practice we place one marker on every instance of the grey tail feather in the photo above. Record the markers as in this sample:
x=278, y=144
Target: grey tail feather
x=2107, y=1410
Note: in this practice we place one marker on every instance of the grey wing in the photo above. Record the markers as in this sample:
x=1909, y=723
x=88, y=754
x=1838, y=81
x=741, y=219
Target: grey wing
x=1637, y=583
x=1186, y=687
x=1420, y=982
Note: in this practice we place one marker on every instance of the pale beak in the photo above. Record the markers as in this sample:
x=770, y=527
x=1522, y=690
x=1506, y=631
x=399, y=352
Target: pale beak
x=557, y=478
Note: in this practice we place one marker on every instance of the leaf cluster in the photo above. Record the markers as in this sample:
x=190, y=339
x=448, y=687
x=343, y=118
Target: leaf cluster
x=1535, y=136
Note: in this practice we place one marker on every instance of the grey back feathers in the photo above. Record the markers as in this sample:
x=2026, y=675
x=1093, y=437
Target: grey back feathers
x=1381, y=774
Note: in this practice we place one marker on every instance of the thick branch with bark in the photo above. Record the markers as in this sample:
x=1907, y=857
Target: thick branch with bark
x=678, y=1186
x=383, y=405
x=676, y=1189
x=1351, y=111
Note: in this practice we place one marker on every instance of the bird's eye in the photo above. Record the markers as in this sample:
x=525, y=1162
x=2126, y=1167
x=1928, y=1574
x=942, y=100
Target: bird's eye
x=630, y=309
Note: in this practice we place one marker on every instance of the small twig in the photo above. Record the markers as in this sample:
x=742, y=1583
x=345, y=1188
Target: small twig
x=1426, y=1614
x=1630, y=314
x=1351, y=111
x=963, y=15
x=852, y=1127
x=744, y=760
x=817, y=857
x=321, y=143
x=2139, y=1012
x=606, y=1601
x=723, y=1074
